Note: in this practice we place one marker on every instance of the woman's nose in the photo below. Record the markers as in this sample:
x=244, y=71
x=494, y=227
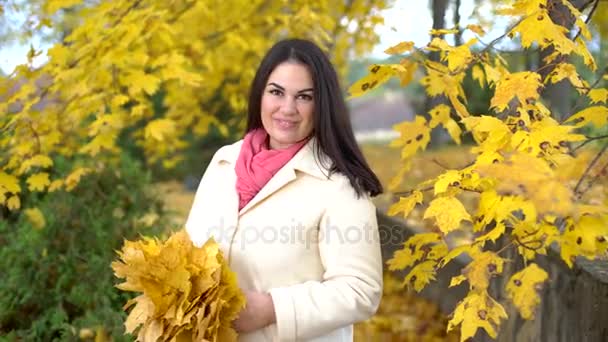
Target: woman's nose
x=289, y=105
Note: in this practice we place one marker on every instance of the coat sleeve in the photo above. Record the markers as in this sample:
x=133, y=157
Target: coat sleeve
x=349, y=246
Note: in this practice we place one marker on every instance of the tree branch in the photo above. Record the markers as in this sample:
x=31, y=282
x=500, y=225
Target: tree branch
x=586, y=173
x=588, y=19
x=589, y=139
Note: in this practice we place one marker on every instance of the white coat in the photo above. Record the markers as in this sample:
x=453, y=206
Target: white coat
x=305, y=239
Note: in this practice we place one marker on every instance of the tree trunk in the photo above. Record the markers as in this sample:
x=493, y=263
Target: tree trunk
x=557, y=95
x=439, y=8
x=458, y=36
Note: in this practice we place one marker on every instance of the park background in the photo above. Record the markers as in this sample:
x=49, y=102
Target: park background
x=57, y=282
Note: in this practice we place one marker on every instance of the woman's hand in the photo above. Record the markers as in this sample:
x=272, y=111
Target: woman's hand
x=258, y=312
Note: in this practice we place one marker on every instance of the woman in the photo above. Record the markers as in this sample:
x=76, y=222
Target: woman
x=290, y=206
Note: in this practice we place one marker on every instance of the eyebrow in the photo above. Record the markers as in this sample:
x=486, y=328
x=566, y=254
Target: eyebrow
x=283, y=89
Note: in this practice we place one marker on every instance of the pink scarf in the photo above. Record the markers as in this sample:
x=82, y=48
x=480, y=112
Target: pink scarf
x=257, y=164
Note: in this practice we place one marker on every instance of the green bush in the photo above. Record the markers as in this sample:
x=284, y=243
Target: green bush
x=57, y=280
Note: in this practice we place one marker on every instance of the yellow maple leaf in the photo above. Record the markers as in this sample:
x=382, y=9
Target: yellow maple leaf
x=586, y=238
x=72, y=180
x=477, y=310
x=523, y=289
x=534, y=180
x=406, y=74
x=119, y=100
x=35, y=217
x=55, y=185
x=541, y=29
x=448, y=212
x=440, y=81
x=581, y=49
x=479, y=75
x=523, y=85
x=489, y=132
x=378, y=75
x=38, y=182
x=544, y=137
x=459, y=107
x=160, y=129
x=10, y=183
x=597, y=115
x=566, y=71
x=39, y=160
x=484, y=266
x=453, y=130
x=421, y=275
x=139, y=81
x=579, y=22
x=412, y=251
x=455, y=252
x=405, y=204
x=477, y=29
x=103, y=141
x=400, y=48
x=457, y=280
x=523, y=8
x=459, y=57
x=447, y=179
x=439, y=114
x=13, y=203
x=598, y=95
x=414, y=135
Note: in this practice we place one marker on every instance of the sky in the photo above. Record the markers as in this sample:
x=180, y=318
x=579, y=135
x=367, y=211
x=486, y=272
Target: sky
x=407, y=20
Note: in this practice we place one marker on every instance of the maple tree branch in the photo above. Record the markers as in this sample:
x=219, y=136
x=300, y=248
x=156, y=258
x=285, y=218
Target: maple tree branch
x=526, y=246
x=589, y=167
x=409, y=192
x=587, y=90
x=595, y=179
x=589, y=139
x=496, y=40
x=580, y=29
x=445, y=167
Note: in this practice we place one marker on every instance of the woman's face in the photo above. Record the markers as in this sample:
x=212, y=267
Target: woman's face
x=288, y=105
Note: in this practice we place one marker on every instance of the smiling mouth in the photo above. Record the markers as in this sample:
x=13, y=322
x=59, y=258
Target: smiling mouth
x=285, y=123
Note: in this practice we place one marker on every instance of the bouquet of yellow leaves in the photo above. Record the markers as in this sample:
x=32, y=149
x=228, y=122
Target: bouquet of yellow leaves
x=188, y=293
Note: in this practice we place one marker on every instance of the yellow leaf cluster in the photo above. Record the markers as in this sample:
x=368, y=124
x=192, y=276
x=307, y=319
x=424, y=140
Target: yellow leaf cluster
x=477, y=310
x=405, y=204
x=414, y=136
x=588, y=237
x=149, y=71
x=448, y=213
x=187, y=292
x=523, y=85
x=523, y=289
x=427, y=248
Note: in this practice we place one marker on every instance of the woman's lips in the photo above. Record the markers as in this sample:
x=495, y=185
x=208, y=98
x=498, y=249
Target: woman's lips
x=285, y=124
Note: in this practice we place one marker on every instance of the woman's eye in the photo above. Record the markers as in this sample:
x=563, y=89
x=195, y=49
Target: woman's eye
x=275, y=91
x=305, y=97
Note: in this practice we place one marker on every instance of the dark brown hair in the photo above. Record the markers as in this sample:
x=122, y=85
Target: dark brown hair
x=332, y=126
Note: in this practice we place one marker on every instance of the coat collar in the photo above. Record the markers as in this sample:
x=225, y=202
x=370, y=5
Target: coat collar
x=303, y=161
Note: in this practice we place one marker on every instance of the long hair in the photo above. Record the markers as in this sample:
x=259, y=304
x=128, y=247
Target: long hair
x=331, y=120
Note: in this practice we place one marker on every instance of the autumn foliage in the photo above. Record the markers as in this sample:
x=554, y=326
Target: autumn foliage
x=534, y=171
x=187, y=292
